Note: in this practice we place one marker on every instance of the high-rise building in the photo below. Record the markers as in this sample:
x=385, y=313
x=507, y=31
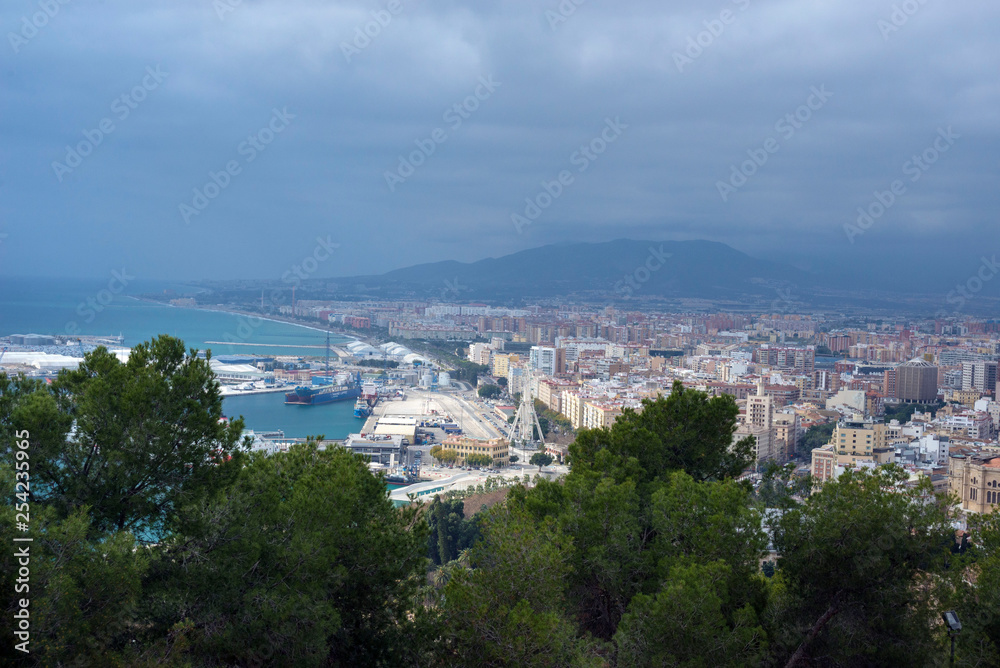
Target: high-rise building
x=838, y=342
x=916, y=381
x=802, y=360
x=479, y=353
x=760, y=424
x=787, y=432
x=981, y=376
x=889, y=384
x=763, y=444
x=760, y=408
x=549, y=361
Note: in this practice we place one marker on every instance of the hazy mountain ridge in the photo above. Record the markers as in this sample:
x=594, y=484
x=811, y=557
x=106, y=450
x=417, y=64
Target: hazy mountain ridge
x=700, y=269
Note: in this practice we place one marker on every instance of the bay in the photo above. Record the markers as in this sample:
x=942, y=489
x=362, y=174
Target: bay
x=54, y=306
x=63, y=306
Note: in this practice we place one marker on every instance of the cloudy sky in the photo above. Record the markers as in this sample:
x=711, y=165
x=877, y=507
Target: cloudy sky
x=405, y=132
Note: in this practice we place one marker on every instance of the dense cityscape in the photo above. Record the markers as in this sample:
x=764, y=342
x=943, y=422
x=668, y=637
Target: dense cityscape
x=918, y=392
x=500, y=334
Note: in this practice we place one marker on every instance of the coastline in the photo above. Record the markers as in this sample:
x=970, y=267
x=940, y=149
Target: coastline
x=234, y=311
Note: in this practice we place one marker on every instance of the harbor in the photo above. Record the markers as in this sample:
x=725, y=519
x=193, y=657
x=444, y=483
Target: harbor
x=328, y=390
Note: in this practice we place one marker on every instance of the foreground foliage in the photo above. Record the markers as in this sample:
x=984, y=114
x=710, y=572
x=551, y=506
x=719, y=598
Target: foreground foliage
x=158, y=541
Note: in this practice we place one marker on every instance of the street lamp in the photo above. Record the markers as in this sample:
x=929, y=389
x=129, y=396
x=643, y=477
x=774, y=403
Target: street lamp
x=954, y=628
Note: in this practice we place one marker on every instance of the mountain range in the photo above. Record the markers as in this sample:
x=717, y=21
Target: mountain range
x=683, y=275
x=624, y=268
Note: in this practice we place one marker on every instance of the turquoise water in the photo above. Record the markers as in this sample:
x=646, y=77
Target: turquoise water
x=50, y=306
x=57, y=306
x=264, y=412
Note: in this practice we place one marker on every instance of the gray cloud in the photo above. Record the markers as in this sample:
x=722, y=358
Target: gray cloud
x=324, y=174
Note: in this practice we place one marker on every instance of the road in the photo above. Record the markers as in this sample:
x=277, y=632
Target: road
x=469, y=416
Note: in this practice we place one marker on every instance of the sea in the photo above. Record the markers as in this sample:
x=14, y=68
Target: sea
x=104, y=307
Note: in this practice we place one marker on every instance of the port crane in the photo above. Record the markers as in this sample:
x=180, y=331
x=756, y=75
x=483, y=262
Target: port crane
x=2, y=353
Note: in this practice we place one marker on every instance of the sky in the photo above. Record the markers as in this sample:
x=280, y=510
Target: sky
x=211, y=139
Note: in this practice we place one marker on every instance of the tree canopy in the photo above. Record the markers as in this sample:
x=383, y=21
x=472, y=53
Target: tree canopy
x=649, y=552
x=131, y=441
x=540, y=459
x=490, y=391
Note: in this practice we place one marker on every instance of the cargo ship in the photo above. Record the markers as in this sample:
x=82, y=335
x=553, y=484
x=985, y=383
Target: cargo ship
x=325, y=389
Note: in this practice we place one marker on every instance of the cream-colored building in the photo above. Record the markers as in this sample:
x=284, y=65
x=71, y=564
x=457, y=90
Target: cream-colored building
x=598, y=414
x=763, y=443
x=496, y=448
x=853, y=444
x=975, y=479
x=550, y=393
x=859, y=437
x=787, y=432
x=501, y=364
x=966, y=397
x=572, y=407
x=760, y=409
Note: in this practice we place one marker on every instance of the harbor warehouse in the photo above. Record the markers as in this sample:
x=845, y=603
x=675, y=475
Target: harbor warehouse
x=397, y=425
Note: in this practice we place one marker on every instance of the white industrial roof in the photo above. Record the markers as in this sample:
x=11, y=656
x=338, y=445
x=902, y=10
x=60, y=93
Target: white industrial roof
x=41, y=360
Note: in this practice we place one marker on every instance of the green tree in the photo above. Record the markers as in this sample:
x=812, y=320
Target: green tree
x=82, y=591
x=686, y=624
x=450, y=532
x=507, y=609
x=132, y=441
x=543, y=423
x=379, y=364
x=686, y=431
x=816, y=436
x=477, y=460
x=540, y=459
x=727, y=527
x=862, y=559
x=903, y=412
x=977, y=595
x=779, y=486
x=305, y=562
x=551, y=417
x=490, y=391
x=446, y=456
